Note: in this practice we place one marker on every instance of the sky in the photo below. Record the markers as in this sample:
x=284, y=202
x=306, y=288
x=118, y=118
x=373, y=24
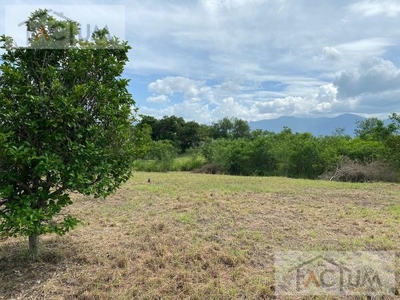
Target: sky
x=204, y=60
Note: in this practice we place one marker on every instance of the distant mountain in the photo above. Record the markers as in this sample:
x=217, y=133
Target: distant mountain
x=316, y=126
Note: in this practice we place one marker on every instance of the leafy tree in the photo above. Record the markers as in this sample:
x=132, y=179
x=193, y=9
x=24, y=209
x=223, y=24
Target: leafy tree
x=392, y=145
x=168, y=128
x=150, y=122
x=189, y=136
x=142, y=137
x=332, y=148
x=65, y=125
x=204, y=132
x=184, y=135
x=282, y=150
x=305, y=160
x=395, y=118
x=363, y=150
x=221, y=129
x=241, y=129
x=230, y=128
x=374, y=129
x=262, y=161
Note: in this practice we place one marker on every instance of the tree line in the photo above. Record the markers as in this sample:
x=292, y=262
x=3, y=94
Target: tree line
x=229, y=146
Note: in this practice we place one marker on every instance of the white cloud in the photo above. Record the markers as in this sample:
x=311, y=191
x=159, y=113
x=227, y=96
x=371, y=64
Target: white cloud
x=365, y=47
x=261, y=58
x=373, y=8
x=187, y=110
x=281, y=106
x=331, y=54
x=170, y=85
x=158, y=99
x=373, y=75
x=355, y=90
x=230, y=108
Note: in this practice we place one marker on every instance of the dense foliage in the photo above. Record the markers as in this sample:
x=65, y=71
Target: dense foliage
x=229, y=146
x=65, y=125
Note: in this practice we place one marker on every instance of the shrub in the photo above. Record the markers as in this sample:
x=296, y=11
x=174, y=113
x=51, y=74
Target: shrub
x=189, y=163
x=159, y=158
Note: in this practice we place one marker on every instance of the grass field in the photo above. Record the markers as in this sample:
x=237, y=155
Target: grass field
x=199, y=236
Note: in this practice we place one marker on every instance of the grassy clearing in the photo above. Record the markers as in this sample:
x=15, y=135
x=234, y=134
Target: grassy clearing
x=199, y=236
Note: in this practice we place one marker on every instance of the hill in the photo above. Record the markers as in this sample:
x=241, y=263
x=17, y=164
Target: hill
x=316, y=126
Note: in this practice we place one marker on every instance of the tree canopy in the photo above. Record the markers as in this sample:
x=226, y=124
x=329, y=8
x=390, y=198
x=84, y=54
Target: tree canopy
x=65, y=124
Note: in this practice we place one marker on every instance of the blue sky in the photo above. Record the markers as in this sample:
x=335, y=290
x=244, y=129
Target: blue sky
x=252, y=59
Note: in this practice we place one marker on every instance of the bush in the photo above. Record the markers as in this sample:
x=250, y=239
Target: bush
x=239, y=157
x=159, y=158
x=349, y=170
x=165, y=163
x=188, y=163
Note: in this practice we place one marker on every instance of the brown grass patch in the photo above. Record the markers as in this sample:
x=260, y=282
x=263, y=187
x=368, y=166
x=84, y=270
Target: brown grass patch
x=198, y=236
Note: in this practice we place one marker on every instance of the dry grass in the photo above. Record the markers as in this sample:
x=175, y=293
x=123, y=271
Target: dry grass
x=199, y=236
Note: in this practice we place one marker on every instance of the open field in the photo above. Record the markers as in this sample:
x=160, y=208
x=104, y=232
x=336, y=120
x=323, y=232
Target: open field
x=199, y=236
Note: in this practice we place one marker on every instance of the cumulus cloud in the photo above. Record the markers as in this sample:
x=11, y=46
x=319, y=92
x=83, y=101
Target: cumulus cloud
x=355, y=90
x=231, y=108
x=373, y=75
x=324, y=101
x=327, y=101
x=283, y=105
x=170, y=85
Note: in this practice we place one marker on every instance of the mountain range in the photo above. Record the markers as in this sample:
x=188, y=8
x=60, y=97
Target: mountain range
x=315, y=126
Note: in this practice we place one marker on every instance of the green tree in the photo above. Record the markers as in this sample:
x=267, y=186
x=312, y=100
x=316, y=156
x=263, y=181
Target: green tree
x=149, y=121
x=189, y=136
x=305, y=160
x=221, y=129
x=142, y=137
x=363, y=150
x=261, y=160
x=241, y=129
x=392, y=145
x=230, y=128
x=168, y=128
x=65, y=125
x=374, y=129
x=282, y=150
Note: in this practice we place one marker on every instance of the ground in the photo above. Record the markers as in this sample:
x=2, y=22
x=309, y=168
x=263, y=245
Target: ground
x=197, y=236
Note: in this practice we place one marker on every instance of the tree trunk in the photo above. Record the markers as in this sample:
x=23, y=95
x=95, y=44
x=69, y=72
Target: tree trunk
x=34, y=245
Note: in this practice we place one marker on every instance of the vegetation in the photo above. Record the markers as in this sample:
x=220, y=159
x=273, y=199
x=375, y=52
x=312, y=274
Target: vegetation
x=65, y=125
x=195, y=236
x=230, y=147
x=67, y=137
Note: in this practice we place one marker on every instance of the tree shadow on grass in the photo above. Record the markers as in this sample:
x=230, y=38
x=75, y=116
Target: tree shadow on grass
x=21, y=274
